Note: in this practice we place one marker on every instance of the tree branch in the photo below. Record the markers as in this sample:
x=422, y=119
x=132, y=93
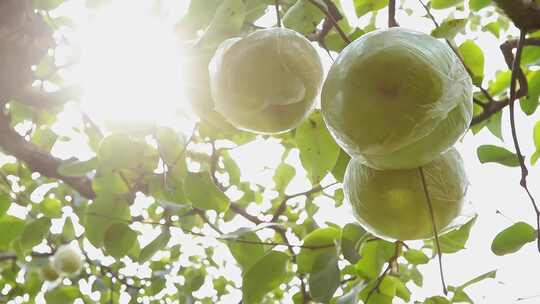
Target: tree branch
x=524, y=171
x=38, y=160
x=37, y=98
x=332, y=16
x=493, y=106
x=392, y=14
x=525, y=14
x=281, y=208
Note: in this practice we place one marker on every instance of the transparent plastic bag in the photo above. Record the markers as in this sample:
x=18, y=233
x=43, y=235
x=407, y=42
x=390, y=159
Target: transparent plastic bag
x=266, y=82
x=391, y=204
x=397, y=99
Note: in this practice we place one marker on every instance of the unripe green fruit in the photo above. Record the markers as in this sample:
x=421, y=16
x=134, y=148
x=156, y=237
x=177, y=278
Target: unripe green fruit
x=391, y=204
x=397, y=99
x=266, y=82
x=48, y=273
x=67, y=260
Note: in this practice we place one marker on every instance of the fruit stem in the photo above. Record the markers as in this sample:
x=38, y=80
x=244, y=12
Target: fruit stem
x=434, y=225
x=278, y=15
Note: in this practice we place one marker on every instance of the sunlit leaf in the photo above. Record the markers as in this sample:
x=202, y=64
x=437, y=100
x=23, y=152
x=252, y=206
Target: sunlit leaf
x=495, y=154
x=265, y=275
x=513, y=238
x=318, y=150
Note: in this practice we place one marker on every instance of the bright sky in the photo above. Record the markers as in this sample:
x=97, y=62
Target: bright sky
x=131, y=71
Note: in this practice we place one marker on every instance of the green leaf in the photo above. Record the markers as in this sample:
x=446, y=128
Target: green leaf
x=461, y=296
x=536, y=138
x=449, y=28
x=363, y=7
x=157, y=244
x=455, y=240
x=474, y=59
x=477, y=5
x=264, y=276
x=119, y=239
x=496, y=154
x=246, y=254
x=392, y=286
x=494, y=125
x=117, y=151
x=488, y=275
x=170, y=145
x=194, y=279
x=442, y=4
x=11, y=228
x=437, y=300
x=198, y=16
x=35, y=232
x=374, y=254
x=227, y=23
x=341, y=164
x=324, y=280
x=352, y=237
x=47, y=5
x=320, y=237
x=318, y=150
x=283, y=176
x=500, y=83
x=493, y=27
x=530, y=56
x=204, y=194
x=416, y=257
x=5, y=203
x=529, y=104
x=109, y=183
x=77, y=168
x=232, y=169
x=62, y=295
x=68, y=231
x=303, y=17
x=101, y=215
x=513, y=238
x=51, y=207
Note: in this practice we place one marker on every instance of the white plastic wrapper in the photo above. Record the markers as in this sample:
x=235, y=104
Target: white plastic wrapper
x=266, y=82
x=391, y=204
x=397, y=99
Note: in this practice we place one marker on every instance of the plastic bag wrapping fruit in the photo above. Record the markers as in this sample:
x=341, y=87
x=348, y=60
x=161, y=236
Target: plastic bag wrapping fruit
x=391, y=204
x=266, y=82
x=397, y=99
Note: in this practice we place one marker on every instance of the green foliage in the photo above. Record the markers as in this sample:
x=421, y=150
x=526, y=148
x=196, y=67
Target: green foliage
x=157, y=244
x=318, y=150
x=264, y=276
x=495, y=154
x=449, y=28
x=203, y=193
x=513, y=238
x=303, y=17
x=536, y=139
x=474, y=59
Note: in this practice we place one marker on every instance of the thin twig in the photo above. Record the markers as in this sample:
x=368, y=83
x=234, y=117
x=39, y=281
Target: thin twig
x=434, y=226
x=331, y=19
x=430, y=15
x=282, y=206
x=511, y=103
x=387, y=270
x=227, y=239
x=392, y=14
x=278, y=14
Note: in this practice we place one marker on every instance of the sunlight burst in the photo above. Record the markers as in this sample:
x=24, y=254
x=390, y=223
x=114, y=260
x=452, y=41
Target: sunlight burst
x=131, y=67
